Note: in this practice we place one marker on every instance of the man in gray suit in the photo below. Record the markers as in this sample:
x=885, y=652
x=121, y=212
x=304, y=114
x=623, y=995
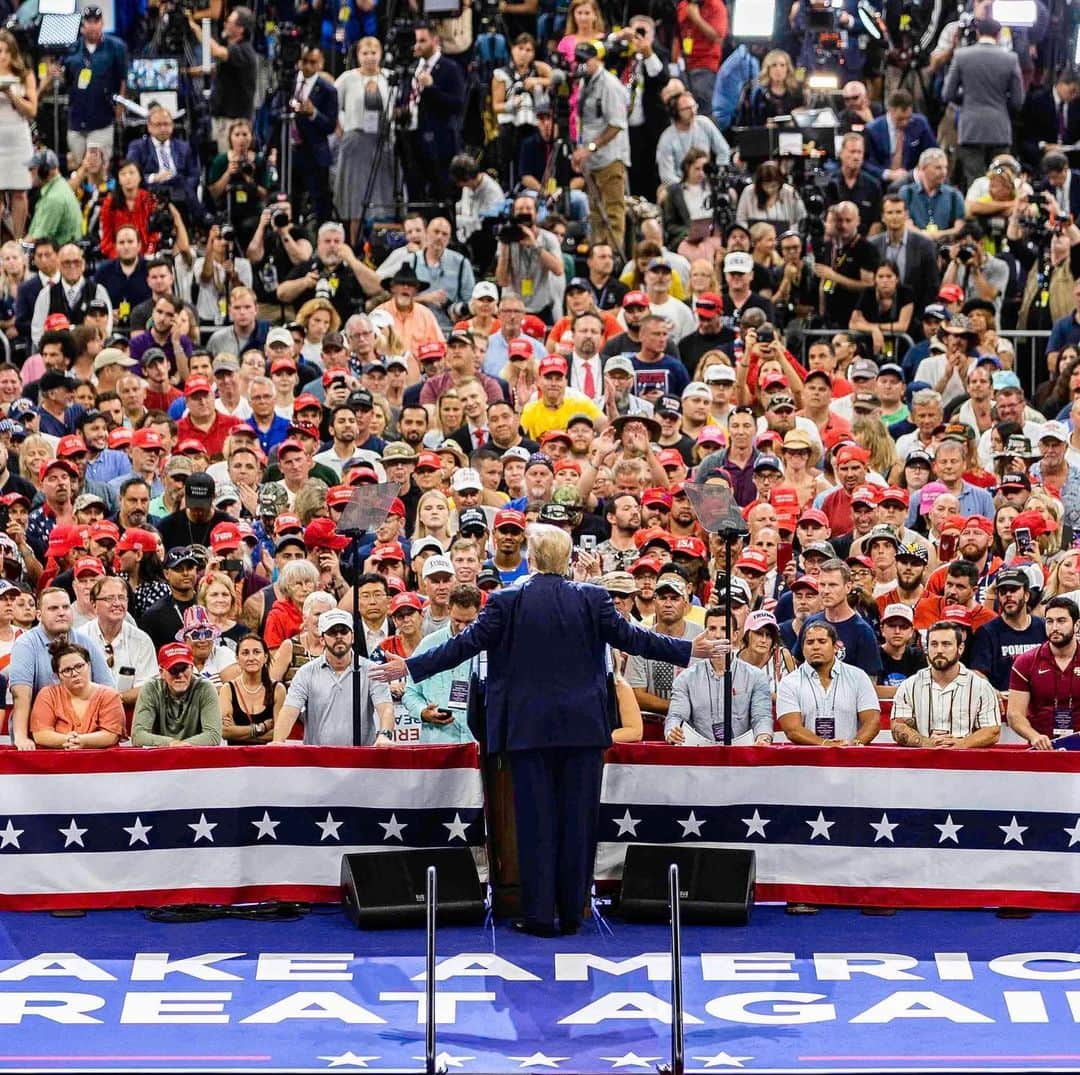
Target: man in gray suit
x=914, y=253
x=984, y=82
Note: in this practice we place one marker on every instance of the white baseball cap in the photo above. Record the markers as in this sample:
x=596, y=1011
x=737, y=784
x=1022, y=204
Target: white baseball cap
x=698, y=390
x=335, y=617
x=486, y=290
x=738, y=261
x=718, y=373
x=897, y=611
x=438, y=565
x=466, y=478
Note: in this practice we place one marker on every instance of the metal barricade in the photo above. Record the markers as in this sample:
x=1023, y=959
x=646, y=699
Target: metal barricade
x=808, y=335
x=1030, y=346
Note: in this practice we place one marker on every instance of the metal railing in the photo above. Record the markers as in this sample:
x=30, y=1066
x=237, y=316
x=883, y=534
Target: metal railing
x=430, y=1065
x=678, y=1057
x=810, y=334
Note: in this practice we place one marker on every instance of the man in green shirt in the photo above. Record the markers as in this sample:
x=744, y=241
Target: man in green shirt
x=57, y=215
x=177, y=708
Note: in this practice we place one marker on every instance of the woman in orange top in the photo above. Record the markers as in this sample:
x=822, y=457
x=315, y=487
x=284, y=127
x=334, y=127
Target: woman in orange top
x=75, y=714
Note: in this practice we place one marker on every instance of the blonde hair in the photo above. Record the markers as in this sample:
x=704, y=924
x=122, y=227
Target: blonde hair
x=876, y=439
x=219, y=578
x=710, y=358
x=1049, y=543
x=313, y=306
x=571, y=28
x=311, y=500
x=549, y=549
x=35, y=440
x=791, y=82
x=420, y=530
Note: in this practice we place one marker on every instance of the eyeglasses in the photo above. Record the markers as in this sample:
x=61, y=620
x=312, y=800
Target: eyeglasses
x=74, y=669
x=178, y=669
x=113, y=599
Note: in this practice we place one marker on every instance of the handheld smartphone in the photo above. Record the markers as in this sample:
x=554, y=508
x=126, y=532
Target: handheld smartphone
x=947, y=546
x=1022, y=537
x=588, y=543
x=765, y=335
x=232, y=567
x=445, y=714
x=785, y=551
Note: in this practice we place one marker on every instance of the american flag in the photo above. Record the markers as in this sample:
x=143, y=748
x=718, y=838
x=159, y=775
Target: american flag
x=881, y=826
x=140, y=828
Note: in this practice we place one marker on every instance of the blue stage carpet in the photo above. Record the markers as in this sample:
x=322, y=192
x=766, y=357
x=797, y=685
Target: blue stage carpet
x=956, y=991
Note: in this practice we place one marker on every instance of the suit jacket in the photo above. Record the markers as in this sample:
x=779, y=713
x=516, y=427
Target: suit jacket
x=25, y=299
x=438, y=121
x=185, y=182
x=917, y=137
x=984, y=81
x=1039, y=123
x=315, y=130
x=920, y=267
x=547, y=674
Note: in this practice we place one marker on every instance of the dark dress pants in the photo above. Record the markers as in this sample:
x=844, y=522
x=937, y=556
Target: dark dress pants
x=557, y=803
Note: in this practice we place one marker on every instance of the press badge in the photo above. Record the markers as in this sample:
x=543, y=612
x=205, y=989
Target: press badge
x=1062, y=720
x=458, y=698
x=84, y=78
x=526, y=288
x=825, y=727
x=123, y=311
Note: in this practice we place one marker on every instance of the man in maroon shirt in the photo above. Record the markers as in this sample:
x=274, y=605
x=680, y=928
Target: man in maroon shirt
x=203, y=421
x=1044, y=686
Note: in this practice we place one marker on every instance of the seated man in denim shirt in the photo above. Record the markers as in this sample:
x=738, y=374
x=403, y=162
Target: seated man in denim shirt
x=441, y=701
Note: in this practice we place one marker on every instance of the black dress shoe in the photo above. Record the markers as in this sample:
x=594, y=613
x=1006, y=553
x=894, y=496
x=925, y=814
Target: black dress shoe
x=534, y=929
x=569, y=929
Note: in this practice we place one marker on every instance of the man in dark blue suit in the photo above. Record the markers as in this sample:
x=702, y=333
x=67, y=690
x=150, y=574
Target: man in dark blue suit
x=314, y=106
x=430, y=106
x=546, y=642
x=1050, y=118
x=167, y=161
x=899, y=121
x=1063, y=183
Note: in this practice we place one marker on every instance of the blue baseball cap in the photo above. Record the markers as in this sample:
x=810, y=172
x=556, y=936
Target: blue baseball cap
x=1005, y=379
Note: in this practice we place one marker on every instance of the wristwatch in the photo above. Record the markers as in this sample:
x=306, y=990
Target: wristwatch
x=384, y=732
x=591, y=147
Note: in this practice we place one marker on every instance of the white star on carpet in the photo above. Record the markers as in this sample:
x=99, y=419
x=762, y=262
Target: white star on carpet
x=456, y=828
x=820, y=827
x=73, y=834
x=329, y=827
x=884, y=828
x=725, y=1059
x=347, y=1059
x=9, y=836
x=538, y=1060
x=267, y=827
x=1074, y=833
x=948, y=830
x=690, y=824
x=203, y=829
x=627, y=824
x=393, y=828
x=1014, y=831
x=446, y=1060
x=138, y=832
x=755, y=826
x=631, y=1060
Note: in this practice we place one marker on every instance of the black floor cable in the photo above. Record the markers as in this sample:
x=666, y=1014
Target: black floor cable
x=269, y=911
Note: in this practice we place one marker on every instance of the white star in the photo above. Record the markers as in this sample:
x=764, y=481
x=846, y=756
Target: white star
x=631, y=1059
x=539, y=1060
x=755, y=826
x=457, y=829
x=820, y=827
x=267, y=827
x=73, y=834
x=138, y=832
x=690, y=824
x=393, y=828
x=349, y=1059
x=884, y=829
x=627, y=824
x=723, y=1058
x=1074, y=833
x=948, y=830
x=329, y=827
x=10, y=835
x=445, y=1060
x=203, y=829
x=1014, y=831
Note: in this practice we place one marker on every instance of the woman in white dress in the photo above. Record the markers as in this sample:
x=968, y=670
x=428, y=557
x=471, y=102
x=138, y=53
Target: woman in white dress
x=18, y=106
x=364, y=105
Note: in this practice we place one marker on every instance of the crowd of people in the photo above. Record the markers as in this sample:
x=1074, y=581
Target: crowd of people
x=601, y=304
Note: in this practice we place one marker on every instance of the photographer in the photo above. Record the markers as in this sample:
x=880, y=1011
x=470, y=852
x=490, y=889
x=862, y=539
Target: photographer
x=644, y=74
x=1048, y=250
x=238, y=180
x=545, y=157
x=981, y=275
x=687, y=200
x=232, y=95
x=517, y=90
x=93, y=73
x=447, y=275
x=795, y=296
x=334, y=272
x=130, y=203
x=277, y=247
x=216, y=273
x=688, y=131
x=313, y=112
x=603, y=150
x=530, y=262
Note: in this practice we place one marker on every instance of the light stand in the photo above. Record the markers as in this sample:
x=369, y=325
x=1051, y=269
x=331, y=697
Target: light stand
x=715, y=509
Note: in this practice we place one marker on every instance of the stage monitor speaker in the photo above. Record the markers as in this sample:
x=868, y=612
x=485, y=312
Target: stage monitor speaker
x=389, y=888
x=716, y=885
